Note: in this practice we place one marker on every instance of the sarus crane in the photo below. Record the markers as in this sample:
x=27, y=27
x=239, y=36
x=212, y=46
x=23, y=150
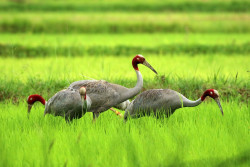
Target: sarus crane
x=164, y=102
x=68, y=103
x=105, y=95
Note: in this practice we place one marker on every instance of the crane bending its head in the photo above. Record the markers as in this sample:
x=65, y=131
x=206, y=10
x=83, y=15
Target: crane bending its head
x=32, y=99
x=213, y=94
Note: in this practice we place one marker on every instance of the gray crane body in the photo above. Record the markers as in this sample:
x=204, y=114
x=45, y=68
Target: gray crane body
x=105, y=95
x=159, y=102
x=66, y=103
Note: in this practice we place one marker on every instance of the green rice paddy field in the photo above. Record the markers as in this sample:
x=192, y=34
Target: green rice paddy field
x=193, y=45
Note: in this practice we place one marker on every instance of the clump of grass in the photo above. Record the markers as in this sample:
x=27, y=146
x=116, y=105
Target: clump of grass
x=180, y=6
x=67, y=26
x=18, y=51
x=191, y=136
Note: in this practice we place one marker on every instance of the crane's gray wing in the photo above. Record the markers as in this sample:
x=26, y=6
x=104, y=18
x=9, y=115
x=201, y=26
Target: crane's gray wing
x=118, y=88
x=50, y=102
x=155, y=100
x=78, y=84
x=102, y=94
x=66, y=103
x=94, y=84
x=122, y=90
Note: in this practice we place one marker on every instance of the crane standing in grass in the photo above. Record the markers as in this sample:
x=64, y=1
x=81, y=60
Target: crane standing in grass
x=105, y=95
x=164, y=102
x=68, y=103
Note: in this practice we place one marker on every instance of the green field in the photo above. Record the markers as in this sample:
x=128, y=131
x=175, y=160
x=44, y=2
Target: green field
x=122, y=22
x=189, y=75
x=27, y=45
x=191, y=137
x=194, y=45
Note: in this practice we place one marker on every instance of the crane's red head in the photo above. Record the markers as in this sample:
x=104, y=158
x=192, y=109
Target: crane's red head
x=32, y=99
x=139, y=59
x=213, y=94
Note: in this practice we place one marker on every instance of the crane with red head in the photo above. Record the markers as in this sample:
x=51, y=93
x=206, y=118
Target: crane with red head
x=68, y=103
x=164, y=102
x=105, y=95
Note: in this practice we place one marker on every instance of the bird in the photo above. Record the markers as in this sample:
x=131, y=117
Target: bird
x=164, y=102
x=105, y=95
x=68, y=103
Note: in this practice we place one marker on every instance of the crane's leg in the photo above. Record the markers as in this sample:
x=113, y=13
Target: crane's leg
x=95, y=116
x=125, y=117
x=69, y=116
x=44, y=113
x=116, y=112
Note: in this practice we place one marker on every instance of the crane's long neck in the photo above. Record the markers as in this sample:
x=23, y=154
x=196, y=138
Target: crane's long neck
x=190, y=103
x=135, y=90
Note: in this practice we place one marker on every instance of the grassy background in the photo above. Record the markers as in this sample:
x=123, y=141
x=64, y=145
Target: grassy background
x=121, y=5
x=193, y=44
x=189, y=75
x=123, y=22
x=41, y=45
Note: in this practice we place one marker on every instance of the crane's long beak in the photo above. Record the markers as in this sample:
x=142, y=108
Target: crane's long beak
x=29, y=108
x=218, y=102
x=149, y=66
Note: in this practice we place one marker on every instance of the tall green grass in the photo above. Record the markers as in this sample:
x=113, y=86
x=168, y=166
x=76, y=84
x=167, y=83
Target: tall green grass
x=189, y=75
x=138, y=6
x=43, y=49
x=197, y=136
